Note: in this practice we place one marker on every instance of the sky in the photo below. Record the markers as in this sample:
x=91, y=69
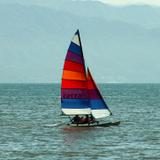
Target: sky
x=129, y=2
x=31, y=37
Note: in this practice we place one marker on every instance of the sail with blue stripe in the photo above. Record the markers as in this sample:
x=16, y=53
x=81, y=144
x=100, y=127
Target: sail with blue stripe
x=79, y=93
x=98, y=106
x=74, y=93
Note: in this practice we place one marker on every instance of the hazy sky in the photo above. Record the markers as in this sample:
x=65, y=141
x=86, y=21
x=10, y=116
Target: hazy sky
x=128, y=2
x=120, y=44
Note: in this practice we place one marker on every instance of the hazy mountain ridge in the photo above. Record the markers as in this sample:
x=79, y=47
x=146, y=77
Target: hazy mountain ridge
x=34, y=40
x=143, y=15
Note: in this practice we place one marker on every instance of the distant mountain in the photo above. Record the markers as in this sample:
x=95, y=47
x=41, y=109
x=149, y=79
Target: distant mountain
x=119, y=45
x=142, y=15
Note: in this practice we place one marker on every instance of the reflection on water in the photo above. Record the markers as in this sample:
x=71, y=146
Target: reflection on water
x=74, y=134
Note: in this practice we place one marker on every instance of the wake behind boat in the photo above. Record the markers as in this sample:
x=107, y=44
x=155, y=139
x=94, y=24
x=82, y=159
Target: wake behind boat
x=79, y=94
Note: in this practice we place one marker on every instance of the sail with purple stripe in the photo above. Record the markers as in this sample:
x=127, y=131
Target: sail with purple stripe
x=98, y=106
x=74, y=57
x=74, y=91
x=79, y=93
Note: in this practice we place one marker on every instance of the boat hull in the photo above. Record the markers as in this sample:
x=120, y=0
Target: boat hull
x=109, y=124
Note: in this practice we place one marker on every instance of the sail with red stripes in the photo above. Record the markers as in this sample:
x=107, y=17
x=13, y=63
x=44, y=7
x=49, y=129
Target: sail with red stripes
x=98, y=106
x=79, y=93
x=74, y=90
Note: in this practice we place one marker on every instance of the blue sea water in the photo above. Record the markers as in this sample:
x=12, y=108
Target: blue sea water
x=31, y=127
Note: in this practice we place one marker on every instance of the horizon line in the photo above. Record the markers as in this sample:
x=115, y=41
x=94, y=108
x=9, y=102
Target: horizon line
x=1, y=83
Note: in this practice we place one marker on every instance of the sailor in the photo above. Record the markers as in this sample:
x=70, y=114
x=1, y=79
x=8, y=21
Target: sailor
x=86, y=119
x=76, y=119
x=91, y=119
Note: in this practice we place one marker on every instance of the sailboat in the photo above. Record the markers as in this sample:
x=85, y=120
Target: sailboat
x=79, y=93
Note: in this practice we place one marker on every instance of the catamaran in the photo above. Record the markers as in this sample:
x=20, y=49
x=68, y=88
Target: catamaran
x=79, y=94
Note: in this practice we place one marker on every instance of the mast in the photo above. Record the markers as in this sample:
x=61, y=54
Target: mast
x=74, y=91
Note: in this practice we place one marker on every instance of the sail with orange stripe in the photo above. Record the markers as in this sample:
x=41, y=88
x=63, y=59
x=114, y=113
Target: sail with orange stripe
x=98, y=106
x=74, y=90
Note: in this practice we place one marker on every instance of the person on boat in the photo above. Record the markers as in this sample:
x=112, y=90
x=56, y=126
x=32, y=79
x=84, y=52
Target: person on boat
x=75, y=119
x=85, y=119
x=92, y=119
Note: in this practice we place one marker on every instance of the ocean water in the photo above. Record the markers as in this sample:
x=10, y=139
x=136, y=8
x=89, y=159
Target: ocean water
x=31, y=127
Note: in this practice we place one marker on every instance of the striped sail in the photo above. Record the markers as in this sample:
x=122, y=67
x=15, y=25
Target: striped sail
x=74, y=92
x=98, y=106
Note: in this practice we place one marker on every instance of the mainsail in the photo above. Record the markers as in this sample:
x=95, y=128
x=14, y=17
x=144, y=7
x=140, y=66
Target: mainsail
x=98, y=106
x=74, y=91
